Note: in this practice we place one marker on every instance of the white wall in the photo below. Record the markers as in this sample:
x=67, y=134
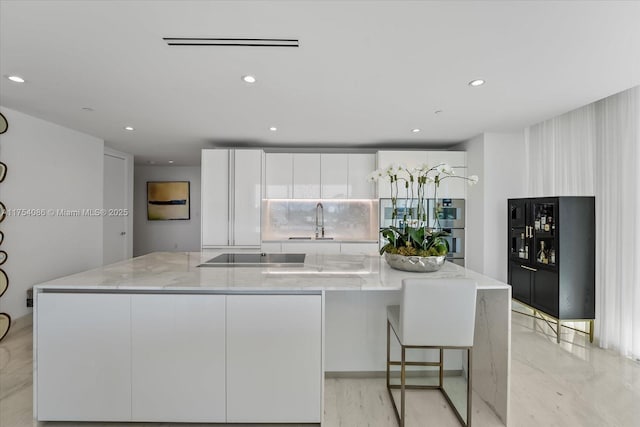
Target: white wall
x=152, y=236
x=499, y=160
x=49, y=167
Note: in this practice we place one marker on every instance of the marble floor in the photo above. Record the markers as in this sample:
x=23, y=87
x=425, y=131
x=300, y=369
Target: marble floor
x=570, y=384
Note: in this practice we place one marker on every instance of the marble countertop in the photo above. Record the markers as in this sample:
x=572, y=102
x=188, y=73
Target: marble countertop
x=179, y=271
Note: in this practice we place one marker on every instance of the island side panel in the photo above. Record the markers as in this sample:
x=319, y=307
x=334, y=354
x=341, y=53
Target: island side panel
x=492, y=349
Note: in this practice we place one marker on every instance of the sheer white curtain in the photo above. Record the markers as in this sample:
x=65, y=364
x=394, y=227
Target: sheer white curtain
x=595, y=150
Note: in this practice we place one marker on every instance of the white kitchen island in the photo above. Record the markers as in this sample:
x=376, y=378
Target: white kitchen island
x=157, y=338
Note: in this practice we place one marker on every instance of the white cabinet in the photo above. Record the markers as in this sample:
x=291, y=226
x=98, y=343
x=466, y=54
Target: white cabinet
x=178, y=358
x=271, y=247
x=247, y=198
x=452, y=158
x=319, y=176
x=274, y=358
x=312, y=247
x=454, y=187
x=409, y=159
x=359, y=248
x=306, y=176
x=231, y=197
x=278, y=175
x=83, y=357
x=359, y=167
x=215, y=197
x=334, y=176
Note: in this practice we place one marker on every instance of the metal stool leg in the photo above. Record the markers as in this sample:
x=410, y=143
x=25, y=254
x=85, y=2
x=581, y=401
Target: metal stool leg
x=469, y=388
x=402, y=386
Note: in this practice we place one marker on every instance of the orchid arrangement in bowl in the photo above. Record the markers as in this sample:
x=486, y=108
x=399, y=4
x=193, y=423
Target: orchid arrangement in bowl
x=410, y=234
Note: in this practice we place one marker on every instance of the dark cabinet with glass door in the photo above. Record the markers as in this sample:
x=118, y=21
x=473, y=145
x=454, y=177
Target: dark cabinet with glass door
x=551, y=265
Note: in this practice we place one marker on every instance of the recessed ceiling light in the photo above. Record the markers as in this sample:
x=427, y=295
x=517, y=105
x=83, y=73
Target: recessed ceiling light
x=87, y=109
x=273, y=128
x=477, y=82
x=16, y=79
x=249, y=79
x=170, y=161
x=129, y=128
x=416, y=130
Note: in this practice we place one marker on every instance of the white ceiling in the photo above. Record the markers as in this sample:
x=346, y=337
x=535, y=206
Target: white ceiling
x=365, y=74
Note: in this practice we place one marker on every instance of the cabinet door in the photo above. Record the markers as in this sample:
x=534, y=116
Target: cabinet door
x=274, y=358
x=454, y=187
x=545, y=292
x=306, y=176
x=359, y=248
x=520, y=281
x=215, y=197
x=247, y=197
x=452, y=158
x=278, y=175
x=518, y=215
x=409, y=159
x=178, y=358
x=271, y=247
x=334, y=176
x=312, y=248
x=360, y=166
x=83, y=357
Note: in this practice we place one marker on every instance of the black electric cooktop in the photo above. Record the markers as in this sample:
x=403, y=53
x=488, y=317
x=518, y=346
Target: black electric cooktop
x=255, y=260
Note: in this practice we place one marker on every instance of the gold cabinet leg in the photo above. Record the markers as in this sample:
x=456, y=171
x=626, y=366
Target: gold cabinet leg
x=558, y=332
x=590, y=330
x=388, y=351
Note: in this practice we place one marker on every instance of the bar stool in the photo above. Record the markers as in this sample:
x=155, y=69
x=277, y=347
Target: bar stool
x=434, y=314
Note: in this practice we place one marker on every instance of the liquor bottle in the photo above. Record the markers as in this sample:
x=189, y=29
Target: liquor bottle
x=521, y=251
x=542, y=254
x=552, y=256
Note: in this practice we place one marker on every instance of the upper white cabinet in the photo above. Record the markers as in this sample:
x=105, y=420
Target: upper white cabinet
x=306, y=176
x=359, y=167
x=319, y=176
x=453, y=188
x=409, y=159
x=278, y=175
x=231, y=197
x=334, y=176
x=452, y=158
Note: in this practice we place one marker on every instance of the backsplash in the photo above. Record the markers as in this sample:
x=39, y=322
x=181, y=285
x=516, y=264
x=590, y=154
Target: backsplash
x=343, y=219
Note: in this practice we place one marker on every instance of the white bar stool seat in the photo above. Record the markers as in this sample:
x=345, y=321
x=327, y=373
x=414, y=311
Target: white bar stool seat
x=434, y=313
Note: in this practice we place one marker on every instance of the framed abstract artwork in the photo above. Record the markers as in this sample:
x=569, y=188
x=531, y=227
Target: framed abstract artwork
x=168, y=200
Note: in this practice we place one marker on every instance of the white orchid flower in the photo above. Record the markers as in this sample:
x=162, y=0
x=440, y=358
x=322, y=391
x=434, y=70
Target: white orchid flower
x=445, y=169
x=473, y=179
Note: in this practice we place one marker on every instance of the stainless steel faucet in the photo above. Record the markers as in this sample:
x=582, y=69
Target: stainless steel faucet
x=321, y=224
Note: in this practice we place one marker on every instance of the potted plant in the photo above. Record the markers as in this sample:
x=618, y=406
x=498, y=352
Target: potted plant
x=412, y=243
